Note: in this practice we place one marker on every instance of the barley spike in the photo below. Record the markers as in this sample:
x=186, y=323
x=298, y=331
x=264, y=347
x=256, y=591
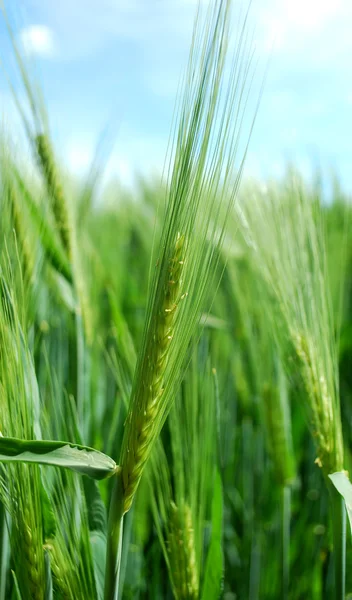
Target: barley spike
x=146, y=406
x=49, y=170
x=182, y=553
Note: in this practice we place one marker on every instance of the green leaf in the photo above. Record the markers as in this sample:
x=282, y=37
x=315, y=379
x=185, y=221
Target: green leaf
x=214, y=567
x=98, y=545
x=96, y=510
x=344, y=487
x=60, y=454
x=97, y=532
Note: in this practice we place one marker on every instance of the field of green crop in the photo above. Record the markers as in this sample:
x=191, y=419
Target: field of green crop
x=175, y=365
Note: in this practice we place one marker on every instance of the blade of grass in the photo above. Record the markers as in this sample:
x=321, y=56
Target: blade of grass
x=82, y=459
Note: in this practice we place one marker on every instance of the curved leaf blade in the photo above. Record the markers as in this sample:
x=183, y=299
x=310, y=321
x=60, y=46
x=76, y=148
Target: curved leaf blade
x=81, y=459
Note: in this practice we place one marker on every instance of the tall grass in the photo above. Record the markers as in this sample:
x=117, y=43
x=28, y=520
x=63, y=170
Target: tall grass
x=204, y=159
x=220, y=382
x=181, y=492
x=288, y=241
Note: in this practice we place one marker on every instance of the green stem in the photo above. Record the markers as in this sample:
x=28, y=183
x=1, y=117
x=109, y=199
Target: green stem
x=338, y=515
x=4, y=551
x=286, y=521
x=114, y=540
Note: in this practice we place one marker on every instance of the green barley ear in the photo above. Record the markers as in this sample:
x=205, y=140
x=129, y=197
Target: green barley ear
x=20, y=487
x=54, y=187
x=64, y=575
x=330, y=455
x=182, y=553
x=143, y=422
x=203, y=183
x=14, y=223
x=26, y=532
x=68, y=543
x=25, y=248
x=287, y=235
x=181, y=482
x=36, y=129
x=287, y=239
x=264, y=376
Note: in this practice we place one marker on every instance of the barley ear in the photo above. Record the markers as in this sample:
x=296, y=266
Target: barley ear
x=326, y=422
x=26, y=250
x=49, y=170
x=182, y=553
x=27, y=534
x=34, y=564
x=146, y=408
x=64, y=579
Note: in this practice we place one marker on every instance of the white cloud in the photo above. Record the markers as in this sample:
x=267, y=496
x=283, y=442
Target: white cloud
x=79, y=156
x=304, y=27
x=309, y=40
x=310, y=14
x=38, y=40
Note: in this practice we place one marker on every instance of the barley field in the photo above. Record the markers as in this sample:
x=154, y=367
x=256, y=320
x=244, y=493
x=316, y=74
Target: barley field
x=175, y=362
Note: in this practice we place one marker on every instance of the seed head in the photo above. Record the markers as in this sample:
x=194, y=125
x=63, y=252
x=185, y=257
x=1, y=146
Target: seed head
x=146, y=406
x=182, y=553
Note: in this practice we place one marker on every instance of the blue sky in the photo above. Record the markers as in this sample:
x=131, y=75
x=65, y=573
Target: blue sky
x=118, y=63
